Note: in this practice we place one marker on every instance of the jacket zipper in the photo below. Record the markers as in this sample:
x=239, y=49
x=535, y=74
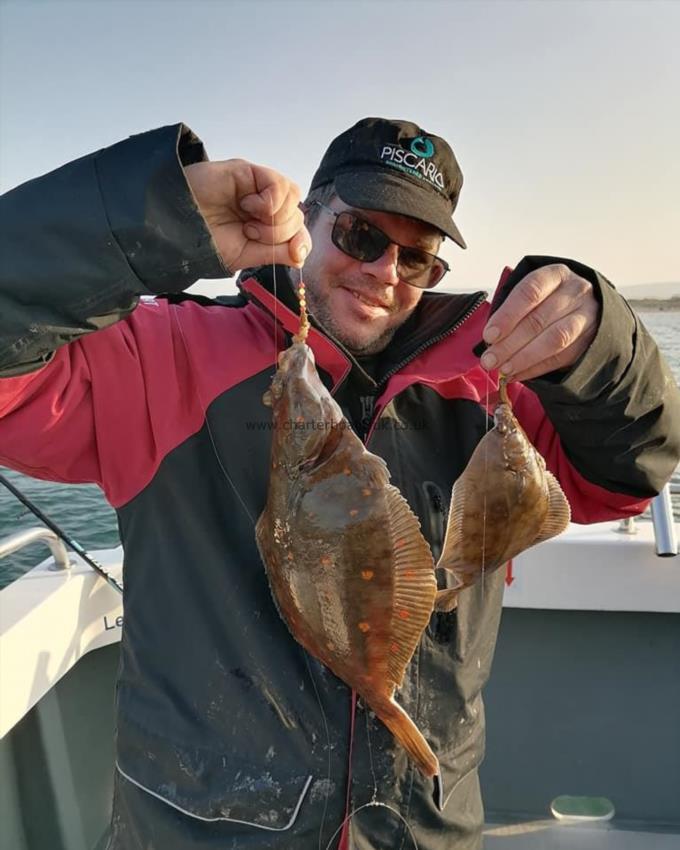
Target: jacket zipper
x=430, y=342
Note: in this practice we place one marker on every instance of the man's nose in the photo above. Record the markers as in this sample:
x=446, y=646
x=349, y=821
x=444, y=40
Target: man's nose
x=384, y=269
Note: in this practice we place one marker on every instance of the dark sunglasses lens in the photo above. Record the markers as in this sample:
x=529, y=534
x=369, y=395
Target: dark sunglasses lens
x=437, y=272
x=358, y=238
x=365, y=242
x=420, y=268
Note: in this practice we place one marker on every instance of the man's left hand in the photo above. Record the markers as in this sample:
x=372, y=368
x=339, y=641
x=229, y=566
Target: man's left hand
x=546, y=323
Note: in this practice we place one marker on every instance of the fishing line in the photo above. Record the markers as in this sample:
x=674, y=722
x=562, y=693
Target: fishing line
x=274, y=282
x=252, y=522
x=373, y=803
x=370, y=755
x=62, y=535
x=486, y=464
x=302, y=336
x=328, y=744
x=304, y=326
x=203, y=408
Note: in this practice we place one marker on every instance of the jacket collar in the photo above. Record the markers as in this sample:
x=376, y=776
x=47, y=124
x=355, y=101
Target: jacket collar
x=437, y=315
x=270, y=288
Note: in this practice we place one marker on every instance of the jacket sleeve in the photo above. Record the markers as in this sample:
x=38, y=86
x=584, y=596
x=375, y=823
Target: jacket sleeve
x=617, y=410
x=81, y=247
x=82, y=243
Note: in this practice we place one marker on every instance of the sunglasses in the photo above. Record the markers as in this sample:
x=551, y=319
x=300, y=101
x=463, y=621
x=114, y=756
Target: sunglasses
x=363, y=241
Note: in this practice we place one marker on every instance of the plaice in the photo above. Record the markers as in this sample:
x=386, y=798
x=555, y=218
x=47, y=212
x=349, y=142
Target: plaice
x=350, y=571
x=504, y=502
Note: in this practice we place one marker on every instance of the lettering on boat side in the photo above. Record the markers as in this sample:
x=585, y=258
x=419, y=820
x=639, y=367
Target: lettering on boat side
x=116, y=624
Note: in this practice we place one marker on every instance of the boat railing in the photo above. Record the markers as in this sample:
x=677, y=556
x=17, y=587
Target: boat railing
x=664, y=528
x=661, y=509
x=20, y=539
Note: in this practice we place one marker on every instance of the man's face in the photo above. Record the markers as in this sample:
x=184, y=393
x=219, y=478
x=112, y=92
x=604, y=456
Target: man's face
x=362, y=304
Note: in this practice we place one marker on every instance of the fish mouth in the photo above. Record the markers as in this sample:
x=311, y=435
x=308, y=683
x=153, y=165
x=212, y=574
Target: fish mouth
x=296, y=374
x=297, y=359
x=503, y=418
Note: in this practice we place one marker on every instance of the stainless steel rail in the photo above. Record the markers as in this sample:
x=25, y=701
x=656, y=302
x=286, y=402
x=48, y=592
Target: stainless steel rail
x=664, y=528
x=21, y=539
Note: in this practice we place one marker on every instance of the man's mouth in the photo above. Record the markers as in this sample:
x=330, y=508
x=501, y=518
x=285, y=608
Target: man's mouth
x=371, y=301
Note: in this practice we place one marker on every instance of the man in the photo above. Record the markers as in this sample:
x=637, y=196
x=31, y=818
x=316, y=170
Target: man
x=228, y=734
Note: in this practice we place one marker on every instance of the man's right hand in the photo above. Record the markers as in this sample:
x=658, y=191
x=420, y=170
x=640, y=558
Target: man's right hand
x=251, y=211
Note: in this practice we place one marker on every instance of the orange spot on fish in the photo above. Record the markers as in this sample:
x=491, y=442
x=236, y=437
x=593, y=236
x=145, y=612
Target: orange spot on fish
x=404, y=615
x=364, y=626
x=347, y=470
x=326, y=561
x=366, y=491
x=367, y=575
x=290, y=556
x=353, y=512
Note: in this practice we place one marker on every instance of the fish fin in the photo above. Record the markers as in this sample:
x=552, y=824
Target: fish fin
x=559, y=511
x=446, y=600
x=414, y=584
x=407, y=733
x=454, y=524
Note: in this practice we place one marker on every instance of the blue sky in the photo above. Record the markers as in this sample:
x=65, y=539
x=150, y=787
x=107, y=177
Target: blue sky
x=563, y=113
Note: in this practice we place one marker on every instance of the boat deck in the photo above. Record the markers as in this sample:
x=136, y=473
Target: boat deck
x=549, y=834
x=580, y=702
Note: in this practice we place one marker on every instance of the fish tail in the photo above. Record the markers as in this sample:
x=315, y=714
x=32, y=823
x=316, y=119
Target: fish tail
x=408, y=735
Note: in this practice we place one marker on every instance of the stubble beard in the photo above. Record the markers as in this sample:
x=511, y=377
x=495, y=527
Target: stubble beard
x=358, y=346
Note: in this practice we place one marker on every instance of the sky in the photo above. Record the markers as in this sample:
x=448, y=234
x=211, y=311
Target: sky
x=564, y=114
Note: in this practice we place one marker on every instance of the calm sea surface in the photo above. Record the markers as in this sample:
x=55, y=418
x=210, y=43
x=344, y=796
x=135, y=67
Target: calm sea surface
x=82, y=512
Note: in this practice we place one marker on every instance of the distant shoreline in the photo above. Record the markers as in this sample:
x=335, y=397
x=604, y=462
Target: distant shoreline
x=658, y=305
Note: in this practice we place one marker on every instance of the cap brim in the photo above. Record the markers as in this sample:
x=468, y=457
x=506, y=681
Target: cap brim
x=377, y=190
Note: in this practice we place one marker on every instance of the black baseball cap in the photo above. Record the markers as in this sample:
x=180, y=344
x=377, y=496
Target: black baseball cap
x=395, y=167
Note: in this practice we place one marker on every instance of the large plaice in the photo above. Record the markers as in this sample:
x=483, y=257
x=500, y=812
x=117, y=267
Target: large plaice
x=351, y=573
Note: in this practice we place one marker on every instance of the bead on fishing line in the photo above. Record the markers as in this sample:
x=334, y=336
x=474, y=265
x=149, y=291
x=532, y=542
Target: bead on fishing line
x=303, y=330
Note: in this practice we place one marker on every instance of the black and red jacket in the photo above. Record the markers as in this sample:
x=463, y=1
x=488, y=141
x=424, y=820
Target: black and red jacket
x=228, y=734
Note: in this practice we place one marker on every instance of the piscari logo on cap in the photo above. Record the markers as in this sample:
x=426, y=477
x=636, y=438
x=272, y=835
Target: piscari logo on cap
x=416, y=160
x=421, y=146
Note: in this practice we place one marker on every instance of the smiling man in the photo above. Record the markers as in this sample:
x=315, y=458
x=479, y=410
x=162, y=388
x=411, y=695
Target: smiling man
x=227, y=734
x=362, y=304
x=375, y=180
